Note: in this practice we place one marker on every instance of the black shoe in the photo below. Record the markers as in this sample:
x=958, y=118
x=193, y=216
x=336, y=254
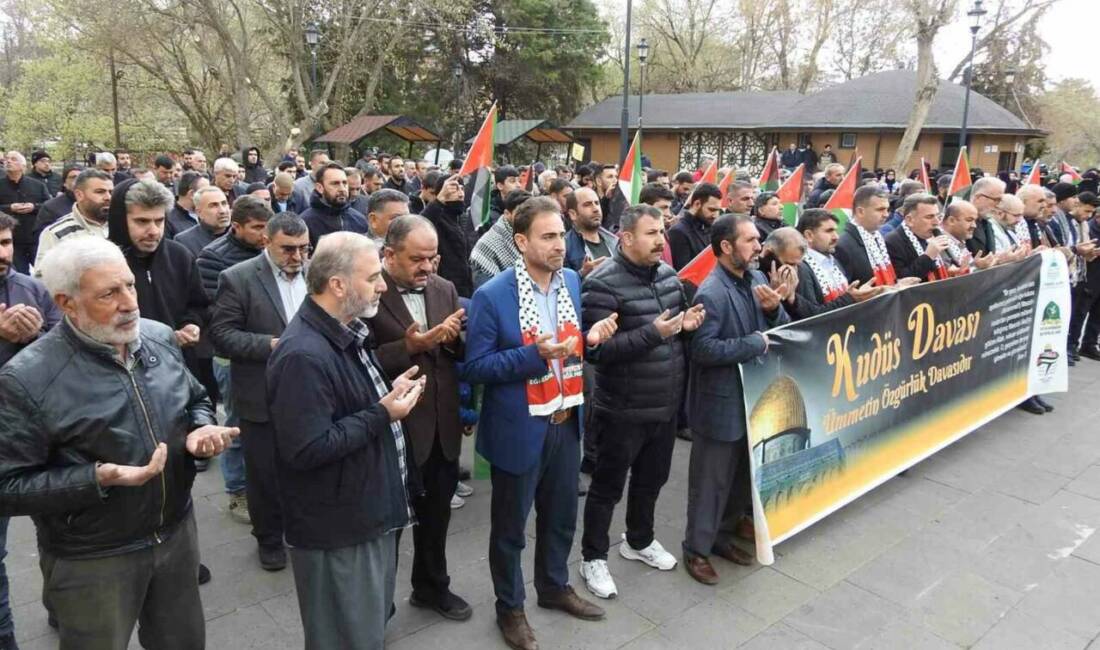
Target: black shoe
x=201, y=464
x=273, y=558
x=684, y=434
x=1074, y=353
x=463, y=474
x=588, y=466
x=204, y=574
x=1047, y=406
x=448, y=606
x=1091, y=352
x=1030, y=406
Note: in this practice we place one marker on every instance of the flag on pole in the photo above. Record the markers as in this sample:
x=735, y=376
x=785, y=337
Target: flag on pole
x=769, y=178
x=724, y=185
x=699, y=268
x=525, y=179
x=710, y=175
x=631, y=176
x=924, y=176
x=1034, y=177
x=840, y=203
x=960, y=178
x=480, y=161
x=1075, y=178
x=790, y=195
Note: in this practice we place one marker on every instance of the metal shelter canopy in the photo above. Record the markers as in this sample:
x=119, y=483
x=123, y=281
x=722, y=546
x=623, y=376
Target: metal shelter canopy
x=404, y=127
x=537, y=131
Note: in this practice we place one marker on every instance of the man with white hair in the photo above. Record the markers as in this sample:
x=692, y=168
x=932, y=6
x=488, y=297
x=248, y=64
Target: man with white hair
x=106, y=161
x=226, y=178
x=21, y=197
x=985, y=195
x=340, y=449
x=100, y=425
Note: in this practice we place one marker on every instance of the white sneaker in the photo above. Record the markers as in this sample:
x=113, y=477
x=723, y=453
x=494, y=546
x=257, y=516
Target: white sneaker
x=598, y=579
x=463, y=490
x=457, y=502
x=654, y=555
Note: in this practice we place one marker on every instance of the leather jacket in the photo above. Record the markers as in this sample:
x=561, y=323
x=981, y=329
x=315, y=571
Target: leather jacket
x=68, y=403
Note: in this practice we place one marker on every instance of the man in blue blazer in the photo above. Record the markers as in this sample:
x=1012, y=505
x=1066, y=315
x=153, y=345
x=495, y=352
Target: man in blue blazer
x=523, y=343
x=740, y=305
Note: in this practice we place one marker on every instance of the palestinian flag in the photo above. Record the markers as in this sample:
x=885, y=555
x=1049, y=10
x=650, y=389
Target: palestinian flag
x=631, y=175
x=924, y=177
x=1034, y=178
x=790, y=195
x=480, y=161
x=1075, y=178
x=699, y=268
x=840, y=203
x=724, y=185
x=769, y=178
x=525, y=179
x=960, y=178
x=710, y=175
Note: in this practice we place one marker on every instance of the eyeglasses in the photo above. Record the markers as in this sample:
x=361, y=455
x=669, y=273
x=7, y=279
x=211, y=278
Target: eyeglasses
x=302, y=250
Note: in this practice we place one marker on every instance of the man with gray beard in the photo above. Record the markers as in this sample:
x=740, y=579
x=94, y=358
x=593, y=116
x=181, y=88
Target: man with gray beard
x=100, y=426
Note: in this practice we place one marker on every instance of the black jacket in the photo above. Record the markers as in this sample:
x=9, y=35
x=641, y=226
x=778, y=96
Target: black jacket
x=639, y=375
x=687, y=238
x=322, y=219
x=810, y=299
x=167, y=281
x=822, y=186
x=66, y=404
x=790, y=159
x=178, y=222
x=219, y=255
x=852, y=256
x=334, y=449
x=52, y=180
x=196, y=238
x=767, y=226
x=456, y=241
x=983, y=240
x=253, y=173
x=908, y=263
x=52, y=210
x=27, y=190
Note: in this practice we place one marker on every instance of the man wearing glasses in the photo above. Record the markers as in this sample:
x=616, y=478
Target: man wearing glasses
x=985, y=195
x=255, y=301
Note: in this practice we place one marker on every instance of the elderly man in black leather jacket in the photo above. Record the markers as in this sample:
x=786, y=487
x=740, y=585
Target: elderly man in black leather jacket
x=100, y=424
x=640, y=375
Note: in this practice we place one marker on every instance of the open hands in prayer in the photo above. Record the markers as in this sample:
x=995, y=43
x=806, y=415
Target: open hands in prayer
x=859, y=292
x=108, y=474
x=19, y=323
x=445, y=332
x=404, y=395
x=210, y=440
x=770, y=298
x=602, y=330
x=693, y=317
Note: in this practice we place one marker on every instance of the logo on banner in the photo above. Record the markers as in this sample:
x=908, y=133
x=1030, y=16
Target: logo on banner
x=1046, y=359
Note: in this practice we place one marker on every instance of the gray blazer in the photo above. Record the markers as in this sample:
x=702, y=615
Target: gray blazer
x=728, y=337
x=248, y=313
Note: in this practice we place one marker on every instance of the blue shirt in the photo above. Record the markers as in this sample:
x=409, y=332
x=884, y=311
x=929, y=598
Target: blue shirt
x=547, y=304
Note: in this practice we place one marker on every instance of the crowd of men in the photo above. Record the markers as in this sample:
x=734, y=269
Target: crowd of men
x=341, y=316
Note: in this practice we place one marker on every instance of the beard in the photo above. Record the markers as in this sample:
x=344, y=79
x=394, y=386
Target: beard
x=359, y=306
x=113, y=333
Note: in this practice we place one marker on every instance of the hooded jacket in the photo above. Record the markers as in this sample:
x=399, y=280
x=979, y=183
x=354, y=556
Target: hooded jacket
x=167, y=280
x=253, y=173
x=323, y=218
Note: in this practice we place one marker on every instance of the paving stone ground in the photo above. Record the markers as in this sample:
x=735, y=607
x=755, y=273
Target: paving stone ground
x=989, y=544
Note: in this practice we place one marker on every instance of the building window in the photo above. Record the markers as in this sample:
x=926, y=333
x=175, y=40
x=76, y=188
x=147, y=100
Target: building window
x=737, y=149
x=847, y=140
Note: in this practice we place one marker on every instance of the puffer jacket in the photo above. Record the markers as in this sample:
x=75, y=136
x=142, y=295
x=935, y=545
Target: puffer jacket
x=322, y=218
x=66, y=404
x=217, y=256
x=639, y=376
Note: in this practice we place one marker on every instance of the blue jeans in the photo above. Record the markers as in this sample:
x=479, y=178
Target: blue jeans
x=6, y=625
x=232, y=459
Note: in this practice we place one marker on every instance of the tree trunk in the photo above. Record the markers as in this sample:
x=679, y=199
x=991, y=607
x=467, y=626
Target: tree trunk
x=927, y=85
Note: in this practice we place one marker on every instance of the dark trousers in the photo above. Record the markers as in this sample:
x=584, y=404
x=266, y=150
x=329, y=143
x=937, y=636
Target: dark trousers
x=98, y=601
x=439, y=477
x=718, y=493
x=1085, y=305
x=264, y=507
x=645, y=450
x=591, y=435
x=6, y=625
x=551, y=486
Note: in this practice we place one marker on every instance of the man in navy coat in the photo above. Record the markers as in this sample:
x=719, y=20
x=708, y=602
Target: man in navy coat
x=740, y=306
x=534, y=457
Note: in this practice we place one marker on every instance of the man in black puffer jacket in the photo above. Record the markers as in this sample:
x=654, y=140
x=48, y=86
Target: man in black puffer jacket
x=640, y=375
x=456, y=234
x=100, y=426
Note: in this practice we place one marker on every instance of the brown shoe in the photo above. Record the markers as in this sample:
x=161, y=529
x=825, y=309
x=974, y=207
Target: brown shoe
x=699, y=567
x=746, y=530
x=569, y=602
x=517, y=633
x=731, y=553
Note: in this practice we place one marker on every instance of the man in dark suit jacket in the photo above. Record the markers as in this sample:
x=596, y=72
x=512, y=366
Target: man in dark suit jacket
x=255, y=301
x=870, y=208
x=739, y=305
x=921, y=218
x=818, y=228
x=690, y=235
x=985, y=195
x=418, y=324
x=535, y=458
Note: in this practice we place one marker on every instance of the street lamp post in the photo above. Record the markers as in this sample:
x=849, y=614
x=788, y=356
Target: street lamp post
x=643, y=56
x=456, y=71
x=624, y=126
x=313, y=37
x=976, y=12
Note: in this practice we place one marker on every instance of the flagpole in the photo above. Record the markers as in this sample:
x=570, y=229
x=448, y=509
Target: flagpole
x=624, y=126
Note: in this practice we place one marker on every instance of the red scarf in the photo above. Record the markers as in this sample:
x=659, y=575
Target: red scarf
x=545, y=394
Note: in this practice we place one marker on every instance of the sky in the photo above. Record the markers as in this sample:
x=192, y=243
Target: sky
x=1069, y=27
